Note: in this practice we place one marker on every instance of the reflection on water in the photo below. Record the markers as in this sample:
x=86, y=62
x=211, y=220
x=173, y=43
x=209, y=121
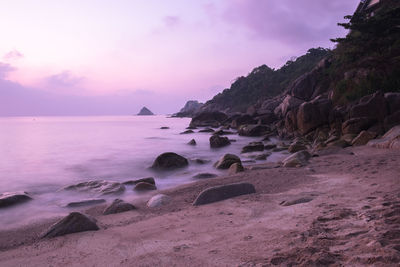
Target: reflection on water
x=41, y=155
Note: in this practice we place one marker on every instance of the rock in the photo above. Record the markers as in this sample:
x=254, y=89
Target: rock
x=338, y=143
x=296, y=201
x=390, y=140
x=222, y=132
x=242, y=120
x=191, y=128
x=253, y=146
x=356, y=125
x=279, y=149
x=205, y=176
x=187, y=132
x=270, y=105
x=207, y=130
x=371, y=106
x=269, y=146
x=219, y=193
x=73, y=223
x=201, y=161
x=347, y=137
x=391, y=120
x=164, y=128
x=393, y=101
x=208, y=118
x=118, y=206
x=226, y=161
x=149, y=180
x=289, y=103
x=217, y=141
x=235, y=168
x=192, y=142
x=101, y=187
x=158, y=201
x=145, y=112
x=10, y=199
x=190, y=109
x=313, y=114
x=304, y=86
x=266, y=118
x=169, y=161
x=297, y=159
x=143, y=186
x=297, y=146
x=253, y=130
x=363, y=138
x=85, y=202
x=263, y=156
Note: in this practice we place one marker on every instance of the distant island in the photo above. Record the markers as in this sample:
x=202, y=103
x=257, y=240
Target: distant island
x=145, y=112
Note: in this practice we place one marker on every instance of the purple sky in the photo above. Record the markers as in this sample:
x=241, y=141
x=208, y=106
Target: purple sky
x=74, y=57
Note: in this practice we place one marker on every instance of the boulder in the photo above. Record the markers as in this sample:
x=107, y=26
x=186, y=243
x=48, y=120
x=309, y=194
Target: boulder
x=207, y=130
x=205, y=175
x=297, y=146
x=208, y=118
x=253, y=146
x=269, y=146
x=143, y=186
x=226, y=161
x=217, y=141
x=187, y=132
x=363, y=138
x=356, y=125
x=390, y=140
x=338, y=143
x=313, y=114
x=393, y=102
x=262, y=156
x=267, y=118
x=149, y=180
x=10, y=199
x=118, y=206
x=192, y=142
x=391, y=120
x=100, y=187
x=73, y=223
x=291, y=121
x=242, y=120
x=145, y=112
x=253, y=130
x=235, y=168
x=85, y=202
x=223, y=132
x=169, y=161
x=371, y=106
x=269, y=105
x=219, y=193
x=158, y=201
x=348, y=138
x=288, y=103
x=297, y=159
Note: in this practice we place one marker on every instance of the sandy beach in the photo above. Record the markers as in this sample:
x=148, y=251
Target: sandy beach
x=350, y=216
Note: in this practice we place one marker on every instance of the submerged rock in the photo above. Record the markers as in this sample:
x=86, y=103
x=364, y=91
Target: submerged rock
x=101, y=187
x=218, y=193
x=208, y=118
x=145, y=112
x=169, y=161
x=164, y=128
x=253, y=130
x=297, y=159
x=158, y=201
x=192, y=142
x=118, y=206
x=205, y=175
x=73, y=223
x=187, y=132
x=149, y=180
x=217, y=141
x=226, y=161
x=143, y=186
x=253, y=146
x=207, y=130
x=10, y=199
x=85, y=202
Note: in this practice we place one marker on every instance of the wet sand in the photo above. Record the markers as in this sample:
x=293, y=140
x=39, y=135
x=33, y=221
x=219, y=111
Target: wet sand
x=349, y=214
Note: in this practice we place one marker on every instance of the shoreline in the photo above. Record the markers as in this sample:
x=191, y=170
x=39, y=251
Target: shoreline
x=350, y=191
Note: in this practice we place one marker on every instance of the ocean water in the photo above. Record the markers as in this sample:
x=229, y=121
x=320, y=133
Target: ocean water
x=40, y=155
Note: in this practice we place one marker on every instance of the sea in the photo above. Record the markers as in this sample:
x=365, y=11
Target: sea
x=41, y=155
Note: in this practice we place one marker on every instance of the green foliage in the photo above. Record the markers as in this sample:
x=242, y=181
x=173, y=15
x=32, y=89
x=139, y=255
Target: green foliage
x=263, y=82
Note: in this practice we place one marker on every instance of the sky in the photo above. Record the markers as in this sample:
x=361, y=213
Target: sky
x=101, y=57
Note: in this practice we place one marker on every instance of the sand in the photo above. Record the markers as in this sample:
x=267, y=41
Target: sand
x=350, y=217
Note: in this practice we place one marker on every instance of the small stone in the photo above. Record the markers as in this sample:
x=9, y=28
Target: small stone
x=218, y=193
x=192, y=142
x=235, y=168
x=158, y=201
x=118, y=206
x=143, y=186
x=205, y=176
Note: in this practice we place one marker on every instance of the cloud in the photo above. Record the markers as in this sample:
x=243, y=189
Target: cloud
x=287, y=20
x=171, y=21
x=5, y=68
x=13, y=55
x=64, y=79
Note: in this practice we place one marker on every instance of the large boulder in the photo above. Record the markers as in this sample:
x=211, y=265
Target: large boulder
x=208, y=118
x=10, y=199
x=158, y=201
x=118, y=206
x=267, y=118
x=169, y=161
x=226, y=161
x=73, y=223
x=143, y=186
x=253, y=146
x=303, y=87
x=393, y=102
x=253, y=130
x=363, y=138
x=223, y=192
x=217, y=141
x=390, y=140
x=235, y=168
x=297, y=146
x=313, y=114
x=371, y=106
x=297, y=159
x=289, y=103
x=242, y=120
x=100, y=187
x=356, y=125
